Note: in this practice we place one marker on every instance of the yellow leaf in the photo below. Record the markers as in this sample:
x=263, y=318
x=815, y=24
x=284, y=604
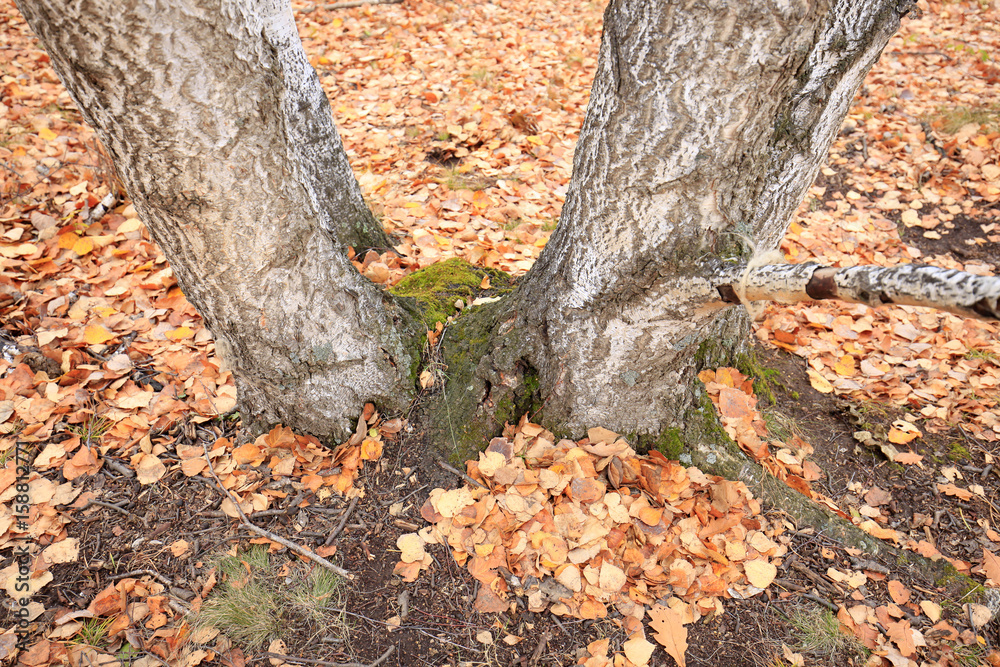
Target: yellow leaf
x=180, y=333
x=83, y=245
x=96, y=334
x=47, y=134
x=818, y=382
x=845, y=366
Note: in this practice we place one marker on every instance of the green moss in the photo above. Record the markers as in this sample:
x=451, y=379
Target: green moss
x=957, y=452
x=957, y=585
x=765, y=380
x=460, y=423
x=670, y=443
x=436, y=288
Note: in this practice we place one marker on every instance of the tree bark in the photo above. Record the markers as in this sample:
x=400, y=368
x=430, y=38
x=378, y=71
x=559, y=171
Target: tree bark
x=222, y=136
x=958, y=292
x=707, y=123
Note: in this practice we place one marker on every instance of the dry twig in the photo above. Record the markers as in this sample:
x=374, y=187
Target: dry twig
x=343, y=521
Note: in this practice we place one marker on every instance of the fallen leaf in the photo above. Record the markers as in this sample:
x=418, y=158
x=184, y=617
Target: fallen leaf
x=148, y=468
x=991, y=566
x=638, y=650
x=759, y=572
x=670, y=632
x=952, y=490
x=818, y=382
x=277, y=647
x=931, y=609
x=63, y=551
x=899, y=593
x=411, y=547
x=96, y=334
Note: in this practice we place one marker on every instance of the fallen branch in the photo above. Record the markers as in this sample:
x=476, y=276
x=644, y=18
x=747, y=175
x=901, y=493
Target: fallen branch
x=957, y=292
x=302, y=551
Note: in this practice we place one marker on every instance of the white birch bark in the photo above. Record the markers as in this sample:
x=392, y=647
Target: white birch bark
x=958, y=292
x=222, y=136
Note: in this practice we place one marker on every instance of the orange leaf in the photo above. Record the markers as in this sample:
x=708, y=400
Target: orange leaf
x=908, y=458
x=845, y=366
x=68, y=240
x=902, y=437
x=248, y=453
x=670, y=632
x=899, y=632
x=953, y=490
x=371, y=449
x=899, y=593
x=109, y=601
x=734, y=403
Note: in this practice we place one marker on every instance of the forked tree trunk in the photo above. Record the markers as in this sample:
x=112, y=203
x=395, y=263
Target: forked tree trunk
x=223, y=138
x=706, y=126
x=707, y=123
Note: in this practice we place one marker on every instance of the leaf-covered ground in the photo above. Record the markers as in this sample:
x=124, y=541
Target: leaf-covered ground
x=460, y=121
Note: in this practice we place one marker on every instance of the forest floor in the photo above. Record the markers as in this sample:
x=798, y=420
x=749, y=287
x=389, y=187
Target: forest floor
x=460, y=121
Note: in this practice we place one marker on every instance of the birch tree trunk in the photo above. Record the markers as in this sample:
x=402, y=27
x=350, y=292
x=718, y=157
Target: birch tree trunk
x=707, y=123
x=222, y=136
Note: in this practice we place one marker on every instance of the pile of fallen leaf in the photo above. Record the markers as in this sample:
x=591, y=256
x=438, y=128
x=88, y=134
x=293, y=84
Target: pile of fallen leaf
x=885, y=629
x=578, y=527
